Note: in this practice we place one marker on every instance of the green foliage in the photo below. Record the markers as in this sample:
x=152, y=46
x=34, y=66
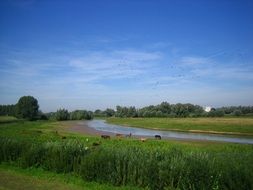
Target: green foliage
x=135, y=165
x=99, y=113
x=8, y=110
x=16, y=178
x=62, y=114
x=162, y=110
x=216, y=113
x=237, y=113
x=109, y=112
x=242, y=126
x=27, y=108
x=175, y=110
x=8, y=119
x=81, y=114
x=126, y=112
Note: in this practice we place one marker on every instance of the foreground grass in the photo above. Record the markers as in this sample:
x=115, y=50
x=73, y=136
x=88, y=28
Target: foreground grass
x=241, y=126
x=14, y=178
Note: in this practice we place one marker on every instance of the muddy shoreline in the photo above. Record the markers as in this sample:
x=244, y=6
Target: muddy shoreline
x=81, y=127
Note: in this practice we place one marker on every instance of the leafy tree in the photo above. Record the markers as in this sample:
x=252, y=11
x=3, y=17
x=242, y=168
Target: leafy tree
x=99, y=113
x=81, y=114
x=109, y=112
x=62, y=114
x=237, y=113
x=216, y=113
x=27, y=108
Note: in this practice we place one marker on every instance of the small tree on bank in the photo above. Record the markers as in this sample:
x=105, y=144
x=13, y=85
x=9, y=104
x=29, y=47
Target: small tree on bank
x=62, y=114
x=27, y=108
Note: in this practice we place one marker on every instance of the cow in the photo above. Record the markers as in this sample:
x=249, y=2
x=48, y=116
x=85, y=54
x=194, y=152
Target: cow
x=143, y=139
x=128, y=136
x=105, y=137
x=96, y=143
x=158, y=137
x=119, y=135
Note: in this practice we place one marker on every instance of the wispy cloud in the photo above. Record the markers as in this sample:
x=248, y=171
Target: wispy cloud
x=215, y=69
x=115, y=64
x=194, y=60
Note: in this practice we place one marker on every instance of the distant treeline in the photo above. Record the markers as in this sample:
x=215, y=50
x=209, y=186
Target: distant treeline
x=28, y=108
x=166, y=109
x=60, y=115
x=64, y=114
x=8, y=110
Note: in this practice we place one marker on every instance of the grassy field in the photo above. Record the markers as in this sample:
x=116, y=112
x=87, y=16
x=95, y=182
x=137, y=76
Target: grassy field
x=7, y=119
x=47, y=146
x=15, y=178
x=242, y=126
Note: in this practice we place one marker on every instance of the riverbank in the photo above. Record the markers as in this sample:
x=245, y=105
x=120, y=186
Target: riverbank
x=222, y=126
x=100, y=127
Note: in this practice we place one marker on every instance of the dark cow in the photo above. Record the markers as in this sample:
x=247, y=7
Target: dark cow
x=105, y=137
x=158, y=137
x=96, y=143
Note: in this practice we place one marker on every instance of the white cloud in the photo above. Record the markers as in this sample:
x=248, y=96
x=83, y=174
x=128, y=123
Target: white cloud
x=194, y=60
x=115, y=64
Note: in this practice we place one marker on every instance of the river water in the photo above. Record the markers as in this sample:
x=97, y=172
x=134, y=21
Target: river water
x=101, y=125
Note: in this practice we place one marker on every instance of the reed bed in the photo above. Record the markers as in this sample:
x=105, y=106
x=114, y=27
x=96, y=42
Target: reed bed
x=151, y=168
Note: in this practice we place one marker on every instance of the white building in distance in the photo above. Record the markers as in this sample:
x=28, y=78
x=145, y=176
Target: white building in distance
x=208, y=108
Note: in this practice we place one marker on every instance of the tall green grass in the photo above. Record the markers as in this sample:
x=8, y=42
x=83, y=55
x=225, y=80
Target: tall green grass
x=158, y=168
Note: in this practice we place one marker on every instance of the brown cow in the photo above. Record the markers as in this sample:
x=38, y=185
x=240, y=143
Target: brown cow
x=105, y=137
x=119, y=135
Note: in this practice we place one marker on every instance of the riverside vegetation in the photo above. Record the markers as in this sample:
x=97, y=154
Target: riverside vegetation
x=151, y=165
x=224, y=125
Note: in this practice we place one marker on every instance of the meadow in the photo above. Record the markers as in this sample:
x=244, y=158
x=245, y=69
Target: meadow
x=222, y=125
x=46, y=146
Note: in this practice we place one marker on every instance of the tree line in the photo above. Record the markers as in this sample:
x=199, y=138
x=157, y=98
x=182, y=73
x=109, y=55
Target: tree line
x=166, y=109
x=28, y=108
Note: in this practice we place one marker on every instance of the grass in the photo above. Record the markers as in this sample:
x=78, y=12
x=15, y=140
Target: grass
x=240, y=126
x=15, y=178
x=39, y=146
x=7, y=119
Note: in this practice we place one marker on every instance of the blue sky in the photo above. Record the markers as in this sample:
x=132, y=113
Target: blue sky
x=98, y=54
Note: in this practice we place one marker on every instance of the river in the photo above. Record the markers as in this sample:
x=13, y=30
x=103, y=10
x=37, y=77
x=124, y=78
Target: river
x=101, y=125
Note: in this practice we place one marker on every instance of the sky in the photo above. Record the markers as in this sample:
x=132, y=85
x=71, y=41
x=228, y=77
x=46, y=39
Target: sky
x=98, y=54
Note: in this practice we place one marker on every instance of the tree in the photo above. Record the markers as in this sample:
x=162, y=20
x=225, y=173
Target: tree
x=109, y=112
x=81, y=114
x=237, y=113
x=62, y=114
x=27, y=108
